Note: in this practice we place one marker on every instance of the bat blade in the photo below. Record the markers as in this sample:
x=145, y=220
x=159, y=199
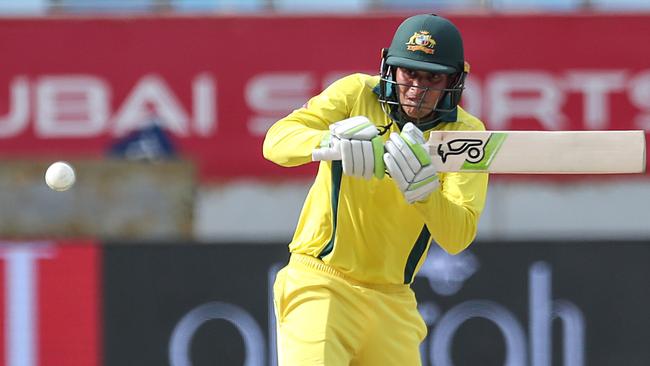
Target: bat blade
x=539, y=152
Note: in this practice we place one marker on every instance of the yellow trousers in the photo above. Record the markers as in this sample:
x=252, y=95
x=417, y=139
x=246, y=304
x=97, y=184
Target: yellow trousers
x=324, y=318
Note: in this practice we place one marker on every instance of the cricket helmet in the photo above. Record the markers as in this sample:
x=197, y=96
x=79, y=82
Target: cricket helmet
x=426, y=42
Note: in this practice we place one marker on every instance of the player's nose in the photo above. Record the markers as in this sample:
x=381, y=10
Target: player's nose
x=416, y=89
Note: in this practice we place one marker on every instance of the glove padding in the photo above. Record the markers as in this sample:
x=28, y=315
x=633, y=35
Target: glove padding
x=359, y=145
x=409, y=164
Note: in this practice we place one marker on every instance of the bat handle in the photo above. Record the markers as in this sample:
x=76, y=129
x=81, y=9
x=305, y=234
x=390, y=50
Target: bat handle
x=331, y=153
x=325, y=154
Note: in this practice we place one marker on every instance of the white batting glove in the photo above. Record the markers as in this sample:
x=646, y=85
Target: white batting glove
x=357, y=143
x=409, y=164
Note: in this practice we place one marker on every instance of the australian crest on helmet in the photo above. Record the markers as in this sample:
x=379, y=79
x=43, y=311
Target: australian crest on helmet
x=421, y=41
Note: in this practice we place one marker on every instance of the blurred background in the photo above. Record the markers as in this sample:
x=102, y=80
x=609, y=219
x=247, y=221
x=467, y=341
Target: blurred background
x=164, y=251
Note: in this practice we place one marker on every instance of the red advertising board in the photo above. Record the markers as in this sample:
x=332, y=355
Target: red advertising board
x=71, y=87
x=50, y=303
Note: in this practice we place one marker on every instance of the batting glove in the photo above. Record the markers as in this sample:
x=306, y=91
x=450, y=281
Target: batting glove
x=357, y=143
x=409, y=164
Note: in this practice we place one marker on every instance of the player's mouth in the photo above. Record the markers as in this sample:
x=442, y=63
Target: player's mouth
x=415, y=111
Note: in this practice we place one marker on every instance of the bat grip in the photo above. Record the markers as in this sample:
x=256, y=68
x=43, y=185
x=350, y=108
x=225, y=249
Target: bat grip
x=325, y=154
x=330, y=153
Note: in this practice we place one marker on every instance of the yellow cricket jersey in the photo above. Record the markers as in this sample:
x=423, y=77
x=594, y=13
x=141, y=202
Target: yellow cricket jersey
x=365, y=228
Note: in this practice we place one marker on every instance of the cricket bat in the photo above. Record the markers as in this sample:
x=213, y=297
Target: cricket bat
x=536, y=152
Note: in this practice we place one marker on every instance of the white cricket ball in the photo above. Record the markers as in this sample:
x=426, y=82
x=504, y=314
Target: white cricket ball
x=60, y=176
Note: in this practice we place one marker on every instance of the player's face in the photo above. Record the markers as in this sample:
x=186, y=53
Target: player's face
x=419, y=91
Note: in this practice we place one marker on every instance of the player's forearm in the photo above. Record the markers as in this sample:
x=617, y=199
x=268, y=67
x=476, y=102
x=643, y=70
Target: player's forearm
x=289, y=143
x=452, y=213
x=452, y=226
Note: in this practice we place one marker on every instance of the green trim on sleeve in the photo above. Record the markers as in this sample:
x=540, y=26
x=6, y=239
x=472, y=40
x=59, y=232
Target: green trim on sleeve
x=337, y=174
x=418, y=250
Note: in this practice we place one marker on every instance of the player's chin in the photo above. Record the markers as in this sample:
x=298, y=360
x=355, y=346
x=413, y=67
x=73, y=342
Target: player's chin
x=416, y=112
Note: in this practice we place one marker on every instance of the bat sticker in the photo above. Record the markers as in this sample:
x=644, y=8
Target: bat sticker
x=474, y=149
